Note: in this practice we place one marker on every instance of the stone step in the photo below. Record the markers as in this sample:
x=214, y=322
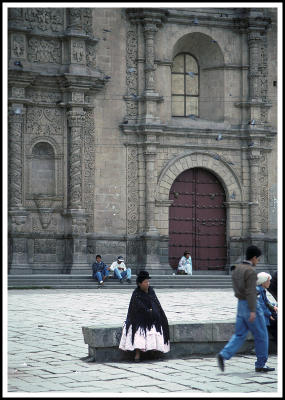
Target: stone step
x=86, y=282
x=118, y=286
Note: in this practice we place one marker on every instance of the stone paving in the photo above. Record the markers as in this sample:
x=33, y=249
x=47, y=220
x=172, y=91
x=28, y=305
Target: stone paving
x=46, y=349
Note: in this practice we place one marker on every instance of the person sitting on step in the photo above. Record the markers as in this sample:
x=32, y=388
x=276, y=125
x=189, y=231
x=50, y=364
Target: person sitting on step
x=185, y=264
x=100, y=270
x=120, y=270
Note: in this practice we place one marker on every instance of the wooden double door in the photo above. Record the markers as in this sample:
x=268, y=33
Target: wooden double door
x=197, y=220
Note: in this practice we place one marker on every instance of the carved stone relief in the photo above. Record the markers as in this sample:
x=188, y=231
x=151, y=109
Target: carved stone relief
x=111, y=246
x=45, y=246
x=44, y=121
x=18, y=223
x=15, y=160
x=45, y=250
x=52, y=226
x=44, y=96
x=87, y=20
x=18, y=92
x=44, y=19
x=18, y=46
x=78, y=52
x=132, y=191
x=90, y=55
x=132, y=252
x=132, y=73
x=77, y=97
x=44, y=51
x=89, y=167
x=263, y=202
x=20, y=246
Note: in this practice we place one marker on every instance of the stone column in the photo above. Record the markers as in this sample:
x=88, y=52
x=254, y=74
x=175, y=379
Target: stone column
x=254, y=193
x=151, y=235
x=254, y=41
x=15, y=124
x=149, y=30
x=150, y=157
x=18, y=258
x=150, y=97
x=75, y=119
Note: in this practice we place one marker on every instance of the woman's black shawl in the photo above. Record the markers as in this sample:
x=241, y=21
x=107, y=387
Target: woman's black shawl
x=140, y=317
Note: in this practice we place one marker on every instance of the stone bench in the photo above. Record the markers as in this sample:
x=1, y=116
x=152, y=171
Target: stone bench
x=186, y=339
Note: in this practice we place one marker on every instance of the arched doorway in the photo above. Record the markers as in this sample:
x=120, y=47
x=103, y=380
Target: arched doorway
x=197, y=220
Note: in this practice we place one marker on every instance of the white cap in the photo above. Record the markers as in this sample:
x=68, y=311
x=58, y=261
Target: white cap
x=262, y=277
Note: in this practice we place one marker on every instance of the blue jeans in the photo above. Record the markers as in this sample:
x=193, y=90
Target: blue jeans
x=257, y=328
x=100, y=275
x=122, y=274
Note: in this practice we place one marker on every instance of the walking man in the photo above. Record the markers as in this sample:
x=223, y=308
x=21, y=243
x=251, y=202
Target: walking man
x=250, y=316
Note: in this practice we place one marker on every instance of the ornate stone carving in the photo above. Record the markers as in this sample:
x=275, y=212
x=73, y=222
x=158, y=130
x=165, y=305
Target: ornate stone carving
x=75, y=121
x=77, y=97
x=45, y=250
x=19, y=245
x=79, y=224
x=89, y=167
x=132, y=191
x=45, y=208
x=39, y=96
x=78, y=52
x=44, y=121
x=51, y=221
x=149, y=33
x=45, y=246
x=18, y=92
x=264, y=200
x=17, y=223
x=117, y=247
x=44, y=51
x=132, y=73
x=90, y=55
x=15, y=159
x=18, y=46
x=87, y=20
x=44, y=19
x=75, y=21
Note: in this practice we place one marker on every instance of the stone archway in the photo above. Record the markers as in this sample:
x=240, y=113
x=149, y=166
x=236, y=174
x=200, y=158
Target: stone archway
x=216, y=165
x=197, y=220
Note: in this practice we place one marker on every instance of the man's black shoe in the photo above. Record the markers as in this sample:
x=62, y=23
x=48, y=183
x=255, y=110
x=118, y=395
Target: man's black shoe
x=221, y=363
x=264, y=369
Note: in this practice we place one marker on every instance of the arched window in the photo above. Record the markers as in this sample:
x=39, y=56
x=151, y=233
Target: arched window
x=185, y=86
x=43, y=169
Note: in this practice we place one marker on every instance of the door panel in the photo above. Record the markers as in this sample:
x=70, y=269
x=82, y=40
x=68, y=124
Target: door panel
x=197, y=220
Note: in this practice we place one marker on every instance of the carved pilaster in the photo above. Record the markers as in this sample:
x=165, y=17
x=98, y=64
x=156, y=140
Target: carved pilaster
x=254, y=42
x=132, y=72
x=254, y=160
x=75, y=123
x=75, y=17
x=149, y=30
x=15, y=124
x=132, y=190
x=264, y=195
x=150, y=182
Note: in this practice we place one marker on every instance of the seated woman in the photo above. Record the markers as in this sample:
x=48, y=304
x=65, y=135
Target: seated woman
x=269, y=309
x=146, y=327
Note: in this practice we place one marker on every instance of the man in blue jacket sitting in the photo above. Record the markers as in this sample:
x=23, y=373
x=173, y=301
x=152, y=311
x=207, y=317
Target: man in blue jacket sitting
x=100, y=270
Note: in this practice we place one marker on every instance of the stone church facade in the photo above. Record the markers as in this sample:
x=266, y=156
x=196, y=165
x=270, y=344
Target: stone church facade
x=105, y=118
